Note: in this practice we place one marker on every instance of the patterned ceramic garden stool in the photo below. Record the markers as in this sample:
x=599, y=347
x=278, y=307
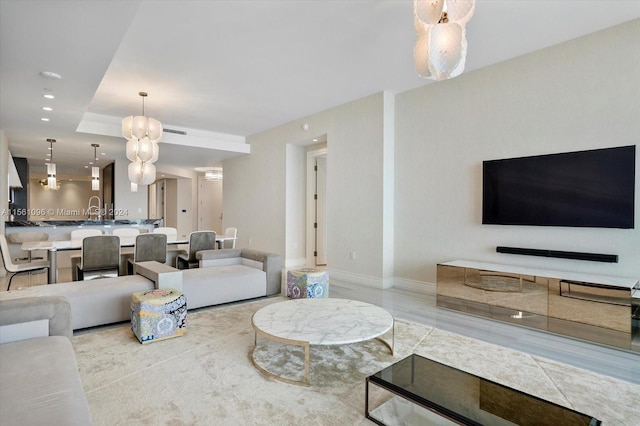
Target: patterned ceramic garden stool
x=158, y=314
x=307, y=283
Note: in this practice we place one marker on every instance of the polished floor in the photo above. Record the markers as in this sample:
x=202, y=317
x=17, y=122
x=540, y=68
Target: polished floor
x=421, y=308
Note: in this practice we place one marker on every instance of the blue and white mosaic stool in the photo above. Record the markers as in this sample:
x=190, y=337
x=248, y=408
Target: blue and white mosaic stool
x=158, y=314
x=307, y=284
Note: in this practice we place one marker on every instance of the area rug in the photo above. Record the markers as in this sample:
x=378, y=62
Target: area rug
x=206, y=377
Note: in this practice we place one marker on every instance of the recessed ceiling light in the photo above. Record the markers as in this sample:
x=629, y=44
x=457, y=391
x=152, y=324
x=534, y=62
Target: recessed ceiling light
x=103, y=153
x=48, y=96
x=51, y=75
x=315, y=140
x=86, y=167
x=44, y=119
x=47, y=108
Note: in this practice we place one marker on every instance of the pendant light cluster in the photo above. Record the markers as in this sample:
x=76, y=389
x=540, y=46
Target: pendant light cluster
x=441, y=49
x=95, y=170
x=143, y=135
x=51, y=168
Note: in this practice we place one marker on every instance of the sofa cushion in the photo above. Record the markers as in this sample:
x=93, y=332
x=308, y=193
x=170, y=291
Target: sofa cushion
x=98, y=302
x=231, y=261
x=43, y=388
x=222, y=284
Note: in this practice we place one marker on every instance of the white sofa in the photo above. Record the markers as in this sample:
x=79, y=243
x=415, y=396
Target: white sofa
x=227, y=275
x=39, y=379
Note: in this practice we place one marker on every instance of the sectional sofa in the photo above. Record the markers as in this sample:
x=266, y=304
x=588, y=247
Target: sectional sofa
x=225, y=276
x=39, y=379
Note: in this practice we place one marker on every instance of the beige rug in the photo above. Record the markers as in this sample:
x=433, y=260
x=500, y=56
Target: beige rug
x=206, y=377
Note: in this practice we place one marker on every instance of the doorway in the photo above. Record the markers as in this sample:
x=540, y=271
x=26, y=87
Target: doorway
x=209, y=205
x=316, y=207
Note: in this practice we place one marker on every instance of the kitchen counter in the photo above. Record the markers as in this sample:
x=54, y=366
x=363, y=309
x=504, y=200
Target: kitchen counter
x=54, y=223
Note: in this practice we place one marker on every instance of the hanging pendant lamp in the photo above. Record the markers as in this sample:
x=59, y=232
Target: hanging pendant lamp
x=142, y=134
x=51, y=168
x=441, y=49
x=95, y=170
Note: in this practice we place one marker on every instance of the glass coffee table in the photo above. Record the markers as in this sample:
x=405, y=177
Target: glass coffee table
x=427, y=392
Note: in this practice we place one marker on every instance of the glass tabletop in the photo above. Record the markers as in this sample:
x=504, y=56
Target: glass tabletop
x=467, y=399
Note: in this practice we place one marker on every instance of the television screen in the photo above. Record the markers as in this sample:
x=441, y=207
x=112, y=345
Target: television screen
x=594, y=188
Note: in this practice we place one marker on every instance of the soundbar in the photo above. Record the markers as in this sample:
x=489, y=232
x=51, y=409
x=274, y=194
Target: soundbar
x=576, y=255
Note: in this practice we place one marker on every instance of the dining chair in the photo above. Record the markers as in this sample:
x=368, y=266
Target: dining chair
x=230, y=232
x=126, y=253
x=150, y=246
x=18, y=268
x=76, y=235
x=100, y=257
x=126, y=232
x=198, y=240
x=173, y=250
x=27, y=237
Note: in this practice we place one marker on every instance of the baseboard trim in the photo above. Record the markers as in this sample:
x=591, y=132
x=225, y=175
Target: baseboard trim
x=359, y=279
x=416, y=286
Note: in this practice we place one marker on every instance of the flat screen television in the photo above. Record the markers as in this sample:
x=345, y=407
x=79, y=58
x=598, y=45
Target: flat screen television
x=594, y=188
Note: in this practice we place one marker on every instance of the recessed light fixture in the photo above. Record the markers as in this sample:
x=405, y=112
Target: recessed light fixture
x=315, y=140
x=44, y=119
x=48, y=96
x=47, y=108
x=50, y=75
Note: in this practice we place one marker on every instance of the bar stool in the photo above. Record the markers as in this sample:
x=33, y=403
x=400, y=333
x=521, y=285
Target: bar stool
x=27, y=237
x=19, y=268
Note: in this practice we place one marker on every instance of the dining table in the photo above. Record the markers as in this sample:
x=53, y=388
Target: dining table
x=55, y=246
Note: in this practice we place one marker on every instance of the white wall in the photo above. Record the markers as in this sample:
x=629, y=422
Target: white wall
x=70, y=202
x=132, y=205
x=583, y=94
x=255, y=188
x=404, y=175
x=295, y=217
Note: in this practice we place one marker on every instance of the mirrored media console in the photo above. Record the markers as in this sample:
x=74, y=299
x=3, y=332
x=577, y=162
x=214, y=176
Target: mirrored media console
x=599, y=309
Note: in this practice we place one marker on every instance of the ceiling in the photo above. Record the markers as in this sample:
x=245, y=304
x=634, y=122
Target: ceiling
x=224, y=70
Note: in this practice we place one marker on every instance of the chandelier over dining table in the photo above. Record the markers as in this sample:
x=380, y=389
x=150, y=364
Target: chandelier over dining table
x=142, y=134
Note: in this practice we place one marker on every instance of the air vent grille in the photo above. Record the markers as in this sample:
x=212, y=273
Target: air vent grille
x=177, y=132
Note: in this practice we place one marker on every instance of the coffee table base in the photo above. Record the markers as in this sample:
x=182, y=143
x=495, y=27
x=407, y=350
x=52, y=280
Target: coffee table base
x=304, y=345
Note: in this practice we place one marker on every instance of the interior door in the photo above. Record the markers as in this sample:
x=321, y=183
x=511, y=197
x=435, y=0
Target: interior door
x=321, y=207
x=209, y=205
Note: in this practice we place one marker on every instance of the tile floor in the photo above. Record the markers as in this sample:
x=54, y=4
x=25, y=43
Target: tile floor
x=421, y=308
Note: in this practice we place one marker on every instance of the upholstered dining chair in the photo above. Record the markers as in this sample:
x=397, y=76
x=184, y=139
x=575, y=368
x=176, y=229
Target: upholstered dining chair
x=173, y=250
x=126, y=253
x=18, y=268
x=150, y=246
x=100, y=257
x=126, y=232
x=79, y=235
x=230, y=232
x=198, y=240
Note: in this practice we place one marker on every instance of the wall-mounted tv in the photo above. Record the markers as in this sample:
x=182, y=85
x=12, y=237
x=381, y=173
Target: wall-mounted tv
x=594, y=188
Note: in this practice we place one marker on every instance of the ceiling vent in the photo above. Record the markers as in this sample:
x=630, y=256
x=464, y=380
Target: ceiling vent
x=176, y=132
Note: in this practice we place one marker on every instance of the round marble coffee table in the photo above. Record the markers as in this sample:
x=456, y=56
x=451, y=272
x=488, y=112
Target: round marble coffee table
x=331, y=321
